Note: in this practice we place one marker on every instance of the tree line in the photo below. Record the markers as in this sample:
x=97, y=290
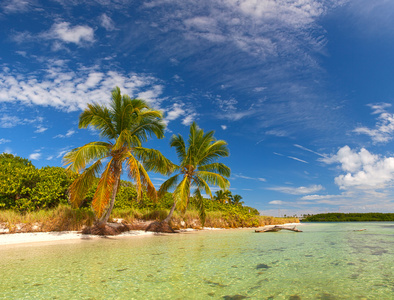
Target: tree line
x=350, y=217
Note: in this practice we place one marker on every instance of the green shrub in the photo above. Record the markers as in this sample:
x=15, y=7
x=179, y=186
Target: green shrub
x=25, y=188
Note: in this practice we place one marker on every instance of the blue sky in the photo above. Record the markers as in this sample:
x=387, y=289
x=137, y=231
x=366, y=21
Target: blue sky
x=301, y=90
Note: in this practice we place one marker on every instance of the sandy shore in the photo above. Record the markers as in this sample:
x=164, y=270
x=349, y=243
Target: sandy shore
x=34, y=237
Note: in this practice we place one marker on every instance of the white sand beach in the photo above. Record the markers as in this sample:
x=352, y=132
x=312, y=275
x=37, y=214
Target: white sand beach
x=35, y=237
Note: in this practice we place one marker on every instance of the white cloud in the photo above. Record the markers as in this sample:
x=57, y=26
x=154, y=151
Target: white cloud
x=276, y=132
x=384, y=129
x=189, y=119
x=35, y=156
x=65, y=32
x=175, y=112
x=320, y=197
x=68, y=134
x=9, y=121
x=302, y=190
x=276, y=202
x=3, y=141
x=363, y=169
x=40, y=129
x=71, y=89
x=15, y=6
x=236, y=115
x=178, y=110
x=107, y=22
x=224, y=127
x=350, y=160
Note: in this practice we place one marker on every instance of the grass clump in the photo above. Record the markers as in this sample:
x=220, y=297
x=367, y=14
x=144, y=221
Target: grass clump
x=61, y=218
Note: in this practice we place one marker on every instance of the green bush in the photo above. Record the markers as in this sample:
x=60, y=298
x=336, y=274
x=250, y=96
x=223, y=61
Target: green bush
x=25, y=188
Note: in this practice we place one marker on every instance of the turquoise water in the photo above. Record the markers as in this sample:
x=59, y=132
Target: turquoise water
x=326, y=261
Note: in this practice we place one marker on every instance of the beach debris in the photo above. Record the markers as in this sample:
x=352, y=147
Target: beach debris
x=212, y=283
x=162, y=226
x=262, y=266
x=277, y=228
x=106, y=229
x=235, y=297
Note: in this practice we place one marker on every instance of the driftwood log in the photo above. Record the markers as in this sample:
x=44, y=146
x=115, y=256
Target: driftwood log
x=277, y=228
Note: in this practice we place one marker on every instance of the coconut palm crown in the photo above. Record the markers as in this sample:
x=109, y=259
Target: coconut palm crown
x=199, y=168
x=125, y=124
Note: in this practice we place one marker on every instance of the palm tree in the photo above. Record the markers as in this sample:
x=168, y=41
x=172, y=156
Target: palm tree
x=198, y=169
x=237, y=200
x=126, y=124
x=223, y=196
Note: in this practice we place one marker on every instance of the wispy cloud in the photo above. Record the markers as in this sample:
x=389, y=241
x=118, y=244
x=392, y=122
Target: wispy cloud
x=384, y=129
x=298, y=159
x=302, y=190
x=107, y=22
x=68, y=134
x=3, y=141
x=249, y=178
x=10, y=121
x=309, y=150
x=16, y=6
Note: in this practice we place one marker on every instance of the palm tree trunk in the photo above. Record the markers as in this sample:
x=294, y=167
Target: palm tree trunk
x=167, y=220
x=104, y=219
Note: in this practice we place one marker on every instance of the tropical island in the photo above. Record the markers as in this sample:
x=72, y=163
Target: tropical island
x=89, y=194
x=350, y=217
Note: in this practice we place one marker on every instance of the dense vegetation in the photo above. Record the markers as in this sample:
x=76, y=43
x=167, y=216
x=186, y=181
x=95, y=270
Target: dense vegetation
x=350, y=217
x=36, y=199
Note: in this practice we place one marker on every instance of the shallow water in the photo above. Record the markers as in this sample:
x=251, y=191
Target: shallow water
x=326, y=261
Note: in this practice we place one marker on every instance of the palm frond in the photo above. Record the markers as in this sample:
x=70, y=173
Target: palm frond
x=182, y=192
x=214, y=152
x=78, y=158
x=134, y=173
x=200, y=206
x=150, y=188
x=147, y=127
x=168, y=184
x=214, y=179
x=219, y=168
x=104, y=190
x=179, y=144
x=154, y=160
x=98, y=117
x=202, y=184
x=126, y=139
x=82, y=183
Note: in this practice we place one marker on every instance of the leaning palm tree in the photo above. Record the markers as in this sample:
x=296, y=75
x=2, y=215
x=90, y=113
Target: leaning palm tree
x=198, y=169
x=125, y=124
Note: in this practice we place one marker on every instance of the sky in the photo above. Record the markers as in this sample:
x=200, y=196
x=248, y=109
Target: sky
x=301, y=90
